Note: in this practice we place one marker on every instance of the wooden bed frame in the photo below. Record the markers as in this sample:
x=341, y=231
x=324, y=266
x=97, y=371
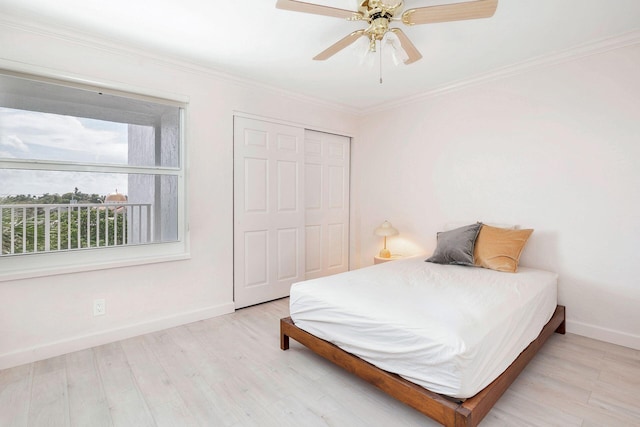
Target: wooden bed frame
x=440, y=408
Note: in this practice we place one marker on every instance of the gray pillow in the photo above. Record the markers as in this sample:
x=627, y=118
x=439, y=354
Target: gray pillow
x=456, y=246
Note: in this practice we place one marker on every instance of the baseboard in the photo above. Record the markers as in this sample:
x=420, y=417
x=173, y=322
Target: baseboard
x=57, y=348
x=604, y=334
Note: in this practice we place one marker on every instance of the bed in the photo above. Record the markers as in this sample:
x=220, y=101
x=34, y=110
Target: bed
x=447, y=340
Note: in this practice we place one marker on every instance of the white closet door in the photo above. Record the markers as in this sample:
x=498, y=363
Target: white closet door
x=326, y=204
x=269, y=220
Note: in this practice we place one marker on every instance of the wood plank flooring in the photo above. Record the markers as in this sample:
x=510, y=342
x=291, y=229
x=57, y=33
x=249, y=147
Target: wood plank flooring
x=230, y=371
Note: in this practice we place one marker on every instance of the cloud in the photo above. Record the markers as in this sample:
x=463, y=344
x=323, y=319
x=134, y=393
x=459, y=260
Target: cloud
x=12, y=141
x=65, y=138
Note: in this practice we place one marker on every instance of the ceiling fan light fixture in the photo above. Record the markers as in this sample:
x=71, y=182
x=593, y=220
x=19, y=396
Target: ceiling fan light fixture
x=397, y=52
x=365, y=58
x=379, y=13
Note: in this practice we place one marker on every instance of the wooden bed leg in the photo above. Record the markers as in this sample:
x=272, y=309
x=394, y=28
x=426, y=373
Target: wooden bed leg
x=561, y=329
x=463, y=417
x=284, y=339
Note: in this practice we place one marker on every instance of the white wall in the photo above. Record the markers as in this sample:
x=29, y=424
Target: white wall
x=52, y=315
x=555, y=148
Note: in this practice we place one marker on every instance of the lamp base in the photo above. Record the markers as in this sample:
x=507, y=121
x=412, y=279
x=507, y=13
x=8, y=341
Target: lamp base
x=385, y=253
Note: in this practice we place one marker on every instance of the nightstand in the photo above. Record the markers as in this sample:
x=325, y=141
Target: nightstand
x=378, y=260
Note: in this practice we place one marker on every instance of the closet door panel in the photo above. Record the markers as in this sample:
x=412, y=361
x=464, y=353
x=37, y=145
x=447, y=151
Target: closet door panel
x=327, y=203
x=269, y=223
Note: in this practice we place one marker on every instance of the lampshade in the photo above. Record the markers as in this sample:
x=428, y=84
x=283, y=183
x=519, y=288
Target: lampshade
x=386, y=229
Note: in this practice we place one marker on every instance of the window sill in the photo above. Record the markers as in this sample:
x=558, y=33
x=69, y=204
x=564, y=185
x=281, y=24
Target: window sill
x=42, y=265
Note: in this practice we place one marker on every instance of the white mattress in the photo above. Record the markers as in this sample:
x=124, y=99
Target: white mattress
x=450, y=329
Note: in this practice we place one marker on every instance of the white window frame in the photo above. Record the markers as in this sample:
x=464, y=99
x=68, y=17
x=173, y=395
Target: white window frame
x=40, y=264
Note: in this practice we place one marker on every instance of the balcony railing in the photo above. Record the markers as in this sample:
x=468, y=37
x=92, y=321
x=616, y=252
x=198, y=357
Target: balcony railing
x=32, y=228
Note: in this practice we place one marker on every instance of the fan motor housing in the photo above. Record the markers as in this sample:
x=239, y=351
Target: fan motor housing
x=379, y=26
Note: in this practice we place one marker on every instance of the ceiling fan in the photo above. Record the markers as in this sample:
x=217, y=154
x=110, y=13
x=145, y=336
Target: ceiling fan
x=378, y=14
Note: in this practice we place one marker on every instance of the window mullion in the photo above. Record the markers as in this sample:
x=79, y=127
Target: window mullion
x=81, y=167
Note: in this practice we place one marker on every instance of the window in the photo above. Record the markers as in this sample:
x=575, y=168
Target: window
x=88, y=178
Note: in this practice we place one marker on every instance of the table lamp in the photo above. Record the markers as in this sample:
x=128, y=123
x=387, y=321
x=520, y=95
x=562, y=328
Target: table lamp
x=386, y=229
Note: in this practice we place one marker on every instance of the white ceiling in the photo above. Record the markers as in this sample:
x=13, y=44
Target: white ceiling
x=254, y=40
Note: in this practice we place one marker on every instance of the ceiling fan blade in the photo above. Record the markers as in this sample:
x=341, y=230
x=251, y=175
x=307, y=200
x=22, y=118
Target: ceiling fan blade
x=450, y=12
x=337, y=47
x=317, y=9
x=409, y=48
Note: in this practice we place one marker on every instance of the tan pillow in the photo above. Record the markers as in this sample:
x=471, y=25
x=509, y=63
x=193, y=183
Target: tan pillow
x=499, y=248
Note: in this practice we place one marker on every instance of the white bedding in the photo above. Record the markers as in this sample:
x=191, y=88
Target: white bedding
x=450, y=329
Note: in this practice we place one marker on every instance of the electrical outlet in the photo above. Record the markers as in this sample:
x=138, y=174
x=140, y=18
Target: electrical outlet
x=99, y=307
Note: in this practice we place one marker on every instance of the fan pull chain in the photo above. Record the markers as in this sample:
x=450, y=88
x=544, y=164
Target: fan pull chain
x=380, y=62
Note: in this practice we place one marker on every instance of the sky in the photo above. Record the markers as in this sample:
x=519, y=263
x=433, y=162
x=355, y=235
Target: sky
x=44, y=136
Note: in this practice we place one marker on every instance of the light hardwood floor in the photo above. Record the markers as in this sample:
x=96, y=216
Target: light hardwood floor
x=230, y=371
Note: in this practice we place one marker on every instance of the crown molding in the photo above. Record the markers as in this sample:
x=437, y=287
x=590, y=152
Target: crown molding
x=119, y=48
x=577, y=52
